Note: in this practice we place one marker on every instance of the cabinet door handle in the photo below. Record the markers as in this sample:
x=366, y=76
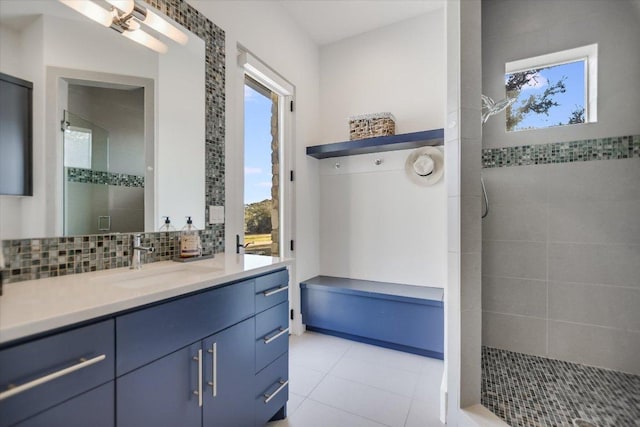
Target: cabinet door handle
x=83, y=363
x=198, y=392
x=268, y=397
x=274, y=291
x=214, y=368
x=268, y=339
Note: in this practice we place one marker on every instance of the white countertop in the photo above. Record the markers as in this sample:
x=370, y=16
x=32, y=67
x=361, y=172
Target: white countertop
x=35, y=306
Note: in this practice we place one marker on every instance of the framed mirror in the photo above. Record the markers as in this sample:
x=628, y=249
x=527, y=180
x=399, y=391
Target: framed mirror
x=151, y=162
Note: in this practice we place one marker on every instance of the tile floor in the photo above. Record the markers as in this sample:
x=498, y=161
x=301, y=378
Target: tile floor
x=531, y=391
x=339, y=383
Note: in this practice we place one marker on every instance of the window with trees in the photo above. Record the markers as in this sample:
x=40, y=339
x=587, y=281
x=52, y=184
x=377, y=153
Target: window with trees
x=552, y=90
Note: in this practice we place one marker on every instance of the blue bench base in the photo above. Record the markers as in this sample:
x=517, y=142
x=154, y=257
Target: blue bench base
x=400, y=317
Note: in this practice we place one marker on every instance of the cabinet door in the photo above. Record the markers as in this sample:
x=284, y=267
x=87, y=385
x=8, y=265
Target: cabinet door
x=229, y=376
x=161, y=393
x=94, y=408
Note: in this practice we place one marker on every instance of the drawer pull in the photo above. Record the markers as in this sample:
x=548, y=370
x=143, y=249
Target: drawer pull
x=198, y=392
x=276, y=336
x=12, y=391
x=214, y=369
x=268, y=397
x=274, y=291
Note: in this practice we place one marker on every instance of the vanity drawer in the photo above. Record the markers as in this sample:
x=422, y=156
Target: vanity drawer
x=149, y=334
x=95, y=408
x=271, y=289
x=272, y=334
x=272, y=389
x=51, y=370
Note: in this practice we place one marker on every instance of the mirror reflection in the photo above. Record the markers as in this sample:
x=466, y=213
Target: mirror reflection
x=115, y=124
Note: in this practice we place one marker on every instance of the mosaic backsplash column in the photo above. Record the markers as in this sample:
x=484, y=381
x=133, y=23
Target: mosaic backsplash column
x=28, y=259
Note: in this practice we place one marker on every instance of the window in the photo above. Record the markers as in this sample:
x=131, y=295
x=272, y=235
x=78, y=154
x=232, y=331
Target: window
x=261, y=169
x=77, y=147
x=552, y=90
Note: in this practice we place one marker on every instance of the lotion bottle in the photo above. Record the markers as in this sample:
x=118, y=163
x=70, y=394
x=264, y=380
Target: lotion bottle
x=190, y=241
x=167, y=225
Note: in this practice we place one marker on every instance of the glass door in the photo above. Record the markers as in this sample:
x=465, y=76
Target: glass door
x=262, y=189
x=86, y=174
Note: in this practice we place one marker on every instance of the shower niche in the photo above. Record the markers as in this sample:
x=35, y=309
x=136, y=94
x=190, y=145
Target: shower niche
x=104, y=160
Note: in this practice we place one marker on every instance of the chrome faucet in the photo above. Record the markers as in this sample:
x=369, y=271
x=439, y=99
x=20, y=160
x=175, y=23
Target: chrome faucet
x=134, y=251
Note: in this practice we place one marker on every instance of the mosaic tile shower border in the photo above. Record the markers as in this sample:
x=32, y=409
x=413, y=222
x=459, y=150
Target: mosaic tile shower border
x=46, y=257
x=89, y=176
x=531, y=391
x=621, y=147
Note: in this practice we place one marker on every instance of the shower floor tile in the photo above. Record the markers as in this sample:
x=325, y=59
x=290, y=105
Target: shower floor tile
x=531, y=391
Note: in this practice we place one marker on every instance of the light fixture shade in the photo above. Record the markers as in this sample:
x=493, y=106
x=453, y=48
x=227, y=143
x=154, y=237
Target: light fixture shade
x=125, y=6
x=90, y=10
x=145, y=39
x=163, y=27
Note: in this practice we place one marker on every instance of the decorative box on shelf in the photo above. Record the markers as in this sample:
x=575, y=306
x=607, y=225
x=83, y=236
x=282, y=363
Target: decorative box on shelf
x=370, y=125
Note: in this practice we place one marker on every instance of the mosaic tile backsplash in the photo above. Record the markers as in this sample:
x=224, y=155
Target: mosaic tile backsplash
x=621, y=147
x=28, y=259
x=89, y=176
x=533, y=391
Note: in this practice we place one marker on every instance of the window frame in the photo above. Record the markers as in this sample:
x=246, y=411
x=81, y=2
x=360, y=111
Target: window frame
x=588, y=54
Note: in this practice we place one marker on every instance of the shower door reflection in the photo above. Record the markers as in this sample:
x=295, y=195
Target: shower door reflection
x=97, y=199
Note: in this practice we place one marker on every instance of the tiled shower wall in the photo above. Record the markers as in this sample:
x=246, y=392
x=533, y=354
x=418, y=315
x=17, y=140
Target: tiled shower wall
x=561, y=244
x=45, y=257
x=561, y=256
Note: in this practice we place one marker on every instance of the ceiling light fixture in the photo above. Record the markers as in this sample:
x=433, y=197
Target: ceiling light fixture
x=125, y=17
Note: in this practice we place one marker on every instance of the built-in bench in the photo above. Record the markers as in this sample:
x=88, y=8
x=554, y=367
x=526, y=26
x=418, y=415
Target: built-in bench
x=402, y=317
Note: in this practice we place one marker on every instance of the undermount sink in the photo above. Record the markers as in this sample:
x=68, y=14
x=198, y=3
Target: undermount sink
x=150, y=275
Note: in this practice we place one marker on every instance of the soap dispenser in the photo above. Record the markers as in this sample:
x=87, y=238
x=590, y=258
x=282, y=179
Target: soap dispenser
x=166, y=227
x=190, y=241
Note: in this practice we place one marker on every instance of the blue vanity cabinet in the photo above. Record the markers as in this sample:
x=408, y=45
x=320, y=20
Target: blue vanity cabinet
x=40, y=374
x=94, y=408
x=161, y=394
x=229, y=377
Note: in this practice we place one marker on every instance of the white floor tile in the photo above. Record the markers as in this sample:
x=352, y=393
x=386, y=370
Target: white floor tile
x=392, y=358
x=381, y=406
x=295, y=400
x=428, y=387
x=316, y=414
x=318, y=352
x=373, y=374
x=303, y=380
x=423, y=414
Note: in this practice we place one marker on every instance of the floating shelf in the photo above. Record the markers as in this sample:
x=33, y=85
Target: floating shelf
x=378, y=144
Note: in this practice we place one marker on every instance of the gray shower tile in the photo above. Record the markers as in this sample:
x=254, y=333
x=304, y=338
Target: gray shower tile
x=509, y=185
x=591, y=221
x=514, y=333
x=595, y=181
x=592, y=263
x=470, y=224
x=593, y=345
x=525, y=297
x=526, y=260
x=518, y=219
x=609, y=306
x=470, y=281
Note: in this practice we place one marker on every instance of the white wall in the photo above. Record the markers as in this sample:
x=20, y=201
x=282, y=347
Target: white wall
x=378, y=225
x=266, y=30
x=375, y=224
x=399, y=68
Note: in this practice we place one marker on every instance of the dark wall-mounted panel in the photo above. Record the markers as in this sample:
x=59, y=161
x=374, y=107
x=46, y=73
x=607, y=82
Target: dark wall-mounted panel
x=16, y=136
